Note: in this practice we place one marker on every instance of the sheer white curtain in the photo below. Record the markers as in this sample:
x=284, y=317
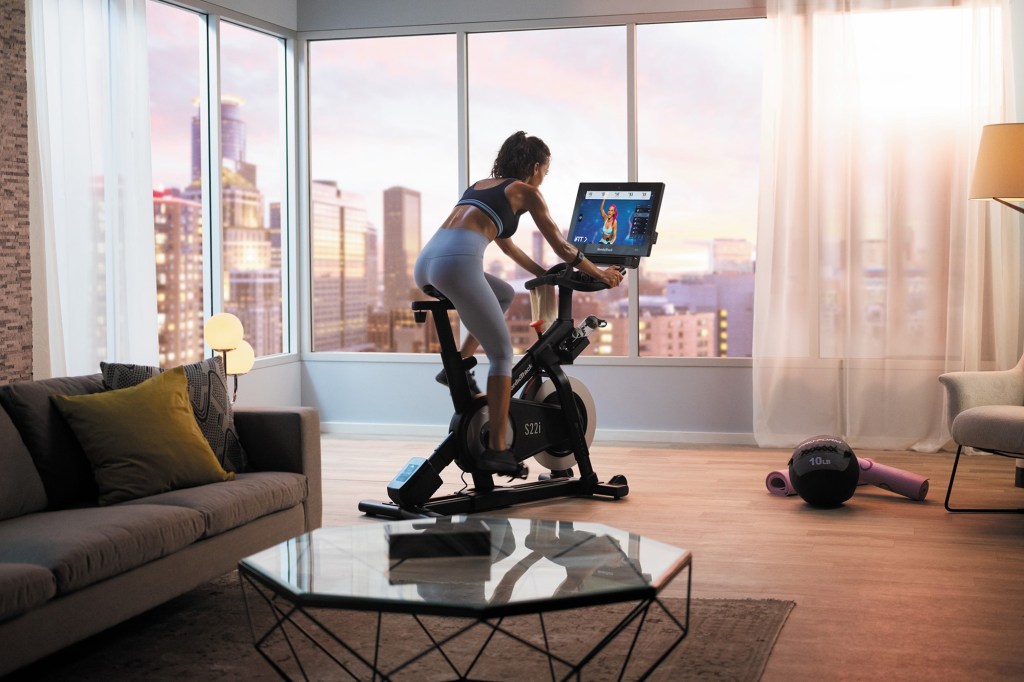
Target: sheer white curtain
x=874, y=272
x=91, y=178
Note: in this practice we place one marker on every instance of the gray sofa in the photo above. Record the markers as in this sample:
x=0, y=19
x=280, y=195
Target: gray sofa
x=70, y=568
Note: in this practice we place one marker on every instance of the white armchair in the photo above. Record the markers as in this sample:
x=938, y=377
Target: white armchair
x=986, y=412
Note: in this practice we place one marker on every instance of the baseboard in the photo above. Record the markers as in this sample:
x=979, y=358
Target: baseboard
x=601, y=436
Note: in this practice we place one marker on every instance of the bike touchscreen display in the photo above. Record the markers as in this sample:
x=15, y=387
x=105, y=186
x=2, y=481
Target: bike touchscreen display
x=615, y=223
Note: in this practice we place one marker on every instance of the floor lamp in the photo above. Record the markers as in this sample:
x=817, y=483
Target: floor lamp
x=240, y=361
x=999, y=176
x=999, y=170
x=223, y=333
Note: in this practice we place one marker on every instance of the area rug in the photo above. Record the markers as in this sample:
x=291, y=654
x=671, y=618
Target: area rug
x=205, y=635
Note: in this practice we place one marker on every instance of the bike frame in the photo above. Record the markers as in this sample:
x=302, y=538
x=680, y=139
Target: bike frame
x=536, y=425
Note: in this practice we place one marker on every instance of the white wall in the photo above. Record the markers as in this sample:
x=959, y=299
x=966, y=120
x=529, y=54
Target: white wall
x=695, y=404
x=274, y=382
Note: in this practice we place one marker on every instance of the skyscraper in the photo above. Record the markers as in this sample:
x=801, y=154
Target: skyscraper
x=729, y=296
x=275, y=234
x=341, y=300
x=252, y=250
x=252, y=286
x=177, y=223
x=232, y=140
x=401, y=245
x=372, y=269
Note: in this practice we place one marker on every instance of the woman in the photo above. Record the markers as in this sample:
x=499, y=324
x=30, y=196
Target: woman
x=452, y=262
x=610, y=230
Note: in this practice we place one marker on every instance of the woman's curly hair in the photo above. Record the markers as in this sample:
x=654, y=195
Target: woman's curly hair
x=517, y=156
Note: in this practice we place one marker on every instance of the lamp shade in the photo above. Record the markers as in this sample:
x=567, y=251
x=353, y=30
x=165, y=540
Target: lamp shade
x=241, y=359
x=223, y=331
x=999, y=170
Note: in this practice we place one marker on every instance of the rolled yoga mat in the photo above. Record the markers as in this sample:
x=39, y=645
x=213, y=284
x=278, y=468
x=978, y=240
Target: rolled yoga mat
x=778, y=483
x=892, y=479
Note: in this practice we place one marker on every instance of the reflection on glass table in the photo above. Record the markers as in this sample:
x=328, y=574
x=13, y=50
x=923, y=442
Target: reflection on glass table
x=533, y=567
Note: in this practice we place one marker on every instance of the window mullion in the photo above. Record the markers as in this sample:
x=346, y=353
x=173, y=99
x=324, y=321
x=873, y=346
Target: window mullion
x=632, y=161
x=210, y=149
x=462, y=66
x=286, y=116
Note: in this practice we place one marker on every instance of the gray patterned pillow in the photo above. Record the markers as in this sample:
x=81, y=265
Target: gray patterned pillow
x=211, y=403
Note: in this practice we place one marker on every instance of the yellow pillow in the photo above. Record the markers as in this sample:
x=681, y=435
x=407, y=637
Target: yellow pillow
x=142, y=440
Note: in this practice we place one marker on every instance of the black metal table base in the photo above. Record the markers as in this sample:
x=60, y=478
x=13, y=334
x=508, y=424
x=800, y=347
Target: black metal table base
x=293, y=624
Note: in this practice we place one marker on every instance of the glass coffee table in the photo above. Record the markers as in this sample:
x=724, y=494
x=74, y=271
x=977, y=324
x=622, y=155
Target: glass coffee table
x=531, y=567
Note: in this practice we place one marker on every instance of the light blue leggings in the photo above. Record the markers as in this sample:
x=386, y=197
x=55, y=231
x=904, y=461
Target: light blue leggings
x=453, y=263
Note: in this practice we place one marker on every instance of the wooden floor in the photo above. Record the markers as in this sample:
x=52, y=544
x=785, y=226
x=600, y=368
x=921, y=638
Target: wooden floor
x=886, y=588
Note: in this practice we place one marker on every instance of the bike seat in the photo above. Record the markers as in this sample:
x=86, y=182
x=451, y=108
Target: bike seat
x=442, y=302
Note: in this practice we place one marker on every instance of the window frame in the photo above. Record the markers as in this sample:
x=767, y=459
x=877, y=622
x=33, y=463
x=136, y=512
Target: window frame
x=630, y=22
x=210, y=159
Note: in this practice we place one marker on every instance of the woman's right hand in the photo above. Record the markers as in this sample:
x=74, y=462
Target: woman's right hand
x=612, y=276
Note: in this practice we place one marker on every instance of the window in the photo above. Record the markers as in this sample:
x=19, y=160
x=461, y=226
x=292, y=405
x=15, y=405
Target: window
x=575, y=101
x=384, y=162
x=176, y=43
x=698, y=123
x=882, y=270
x=253, y=181
x=383, y=177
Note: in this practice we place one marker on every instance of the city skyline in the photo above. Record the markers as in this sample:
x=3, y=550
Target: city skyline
x=692, y=310
x=701, y=140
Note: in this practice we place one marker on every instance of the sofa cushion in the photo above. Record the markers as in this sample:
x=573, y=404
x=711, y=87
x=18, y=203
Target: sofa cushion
x=24, y=587
x=211, y=403
x=234, y=503
x=59, y=459
x=142, y=440
x=21, y=489
x=84, y=546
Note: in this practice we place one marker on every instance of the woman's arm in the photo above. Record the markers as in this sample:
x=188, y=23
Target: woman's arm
x=534, y=202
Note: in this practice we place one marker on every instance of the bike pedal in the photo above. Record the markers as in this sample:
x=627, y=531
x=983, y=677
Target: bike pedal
x=522, y=473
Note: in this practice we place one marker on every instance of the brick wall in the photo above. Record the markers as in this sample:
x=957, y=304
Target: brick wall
x=15, y=268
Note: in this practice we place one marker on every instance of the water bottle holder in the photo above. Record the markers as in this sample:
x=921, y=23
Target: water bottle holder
x=571, y=349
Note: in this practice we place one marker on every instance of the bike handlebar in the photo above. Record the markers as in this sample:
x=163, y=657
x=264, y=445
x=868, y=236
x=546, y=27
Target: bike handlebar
x=561, y=275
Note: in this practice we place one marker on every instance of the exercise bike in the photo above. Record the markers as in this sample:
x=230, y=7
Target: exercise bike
x=553, y=420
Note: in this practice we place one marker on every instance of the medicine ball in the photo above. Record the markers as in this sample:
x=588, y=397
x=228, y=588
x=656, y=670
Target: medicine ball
x=824, y=471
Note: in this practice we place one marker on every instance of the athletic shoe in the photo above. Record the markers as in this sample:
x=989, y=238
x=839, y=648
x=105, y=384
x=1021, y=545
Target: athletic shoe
x=501, y=462
x=442, y=379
